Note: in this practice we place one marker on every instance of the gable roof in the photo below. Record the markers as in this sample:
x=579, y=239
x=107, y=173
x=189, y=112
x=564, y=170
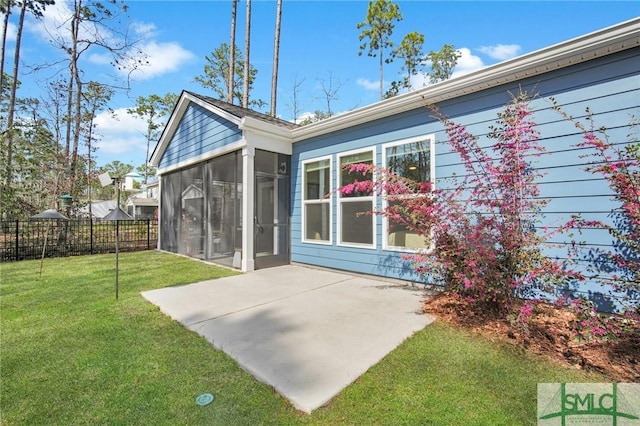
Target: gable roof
x=242, y=117
x=142, y=202
x=241, y=112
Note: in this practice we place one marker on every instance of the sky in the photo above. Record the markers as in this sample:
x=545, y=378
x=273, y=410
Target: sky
x=319, y=45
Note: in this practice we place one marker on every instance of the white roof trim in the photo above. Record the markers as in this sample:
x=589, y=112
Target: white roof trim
x=590, y=46
x=176, y=117
x=250, y=124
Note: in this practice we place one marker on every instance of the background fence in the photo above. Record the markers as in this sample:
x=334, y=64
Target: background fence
x=21, y=240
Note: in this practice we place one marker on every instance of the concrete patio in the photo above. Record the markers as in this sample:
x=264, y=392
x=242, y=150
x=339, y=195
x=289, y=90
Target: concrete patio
x=307, y=332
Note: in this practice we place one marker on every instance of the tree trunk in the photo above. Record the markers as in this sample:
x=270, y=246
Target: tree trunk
x=4, y=41
x=74, y=107
x=149, y=137
x=12, y=100
x=232, y=53
x=276, y=55
x=381, y=76
x=247, y=45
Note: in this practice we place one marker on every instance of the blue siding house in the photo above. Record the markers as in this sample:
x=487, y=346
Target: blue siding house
x=251, y=191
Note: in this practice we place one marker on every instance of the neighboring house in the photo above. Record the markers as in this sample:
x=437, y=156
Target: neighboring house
x=142, y=208
x=152, y=189
x=242, y=188
x=142, y=204
x=99, y=209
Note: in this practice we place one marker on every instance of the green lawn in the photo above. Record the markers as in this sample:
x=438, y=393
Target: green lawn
x=71, y=354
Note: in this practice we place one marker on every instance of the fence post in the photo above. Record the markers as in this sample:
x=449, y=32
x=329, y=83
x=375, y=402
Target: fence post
x=17, y=238
x=91, y=234
x=148, y=234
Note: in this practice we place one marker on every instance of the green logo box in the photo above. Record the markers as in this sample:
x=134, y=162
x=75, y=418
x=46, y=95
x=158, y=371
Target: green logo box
x=616, y=404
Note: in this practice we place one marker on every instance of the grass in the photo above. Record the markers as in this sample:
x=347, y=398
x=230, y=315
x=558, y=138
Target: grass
x=71, y=354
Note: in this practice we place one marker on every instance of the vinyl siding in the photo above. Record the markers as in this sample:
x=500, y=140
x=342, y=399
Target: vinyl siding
x=199, y=131
x=609, y=86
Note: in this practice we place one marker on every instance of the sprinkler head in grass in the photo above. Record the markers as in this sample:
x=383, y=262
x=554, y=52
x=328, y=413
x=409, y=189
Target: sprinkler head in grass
x=204, y=399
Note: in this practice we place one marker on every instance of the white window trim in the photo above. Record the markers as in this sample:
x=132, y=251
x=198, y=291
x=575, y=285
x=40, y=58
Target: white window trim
x=432, y=178
x=305, y=202
x=341, y=200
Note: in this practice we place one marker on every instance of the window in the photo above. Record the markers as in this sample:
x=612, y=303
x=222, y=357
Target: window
x=412, y=159
x=355, y=219
x=316, y=214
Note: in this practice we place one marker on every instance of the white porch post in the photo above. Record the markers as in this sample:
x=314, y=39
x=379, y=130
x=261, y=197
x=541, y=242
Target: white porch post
x=159, y=242
x=248, y=208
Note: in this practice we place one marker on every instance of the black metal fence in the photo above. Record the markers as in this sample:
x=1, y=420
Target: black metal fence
x=29, y=239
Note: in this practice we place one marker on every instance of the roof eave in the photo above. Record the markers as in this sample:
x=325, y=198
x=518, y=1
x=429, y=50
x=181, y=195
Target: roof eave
x=258, y=126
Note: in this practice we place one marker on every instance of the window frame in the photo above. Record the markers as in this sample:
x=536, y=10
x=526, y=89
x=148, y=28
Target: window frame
x=306, y=202
x=432, y=178
x=342, y=200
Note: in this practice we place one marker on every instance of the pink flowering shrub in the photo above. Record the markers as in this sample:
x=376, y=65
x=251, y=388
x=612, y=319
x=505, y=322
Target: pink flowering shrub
x=522, y=320
x=592, y=326
x=617, y=268
x=482, y=225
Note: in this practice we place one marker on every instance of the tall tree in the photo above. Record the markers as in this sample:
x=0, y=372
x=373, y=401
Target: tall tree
x=276, y=57
x=376, y=33
x=96, y=97
x=216, y=70
x=295, y=98
x=152, y=109
x=232, y=53
x=35, y=163
x=443, y=63
x=53, y=111
x=410, y=51
x=93, y=25
x=36, y=8
x=5, y=8
x=247, y=47
x=330, y=89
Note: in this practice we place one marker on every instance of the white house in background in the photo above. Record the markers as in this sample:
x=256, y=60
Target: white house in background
x=142, y=208
x=266, y=187
x=99, y=209
x=143, y=203
x=152, y=189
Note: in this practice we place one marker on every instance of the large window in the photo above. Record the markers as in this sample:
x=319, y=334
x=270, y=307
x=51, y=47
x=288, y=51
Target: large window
x=316, y=214
x=412, y=159
x=355, y=218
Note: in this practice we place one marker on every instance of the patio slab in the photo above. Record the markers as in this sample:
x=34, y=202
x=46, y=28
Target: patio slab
x=307, y=332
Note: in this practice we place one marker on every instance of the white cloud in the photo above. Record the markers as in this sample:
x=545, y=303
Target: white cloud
x=53, y=17
x=467, y=62
x=368, y=84
x=162, y=58
x=55, y=21
x=149, y=60
x=419, y=80
x=12, y=30
x=145, y=29
x=158, y=58
x=122, y=133
x=501, y=52
x=304, y=116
